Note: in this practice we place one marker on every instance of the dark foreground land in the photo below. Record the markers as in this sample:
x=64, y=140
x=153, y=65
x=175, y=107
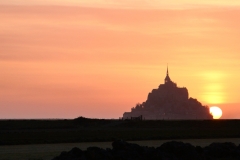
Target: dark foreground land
x=173, y=150
x=99, y=130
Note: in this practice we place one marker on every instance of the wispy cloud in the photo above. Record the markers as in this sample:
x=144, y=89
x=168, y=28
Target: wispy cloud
x=130, y=4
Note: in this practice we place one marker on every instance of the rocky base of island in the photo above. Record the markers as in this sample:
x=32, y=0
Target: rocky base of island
x=173, y=150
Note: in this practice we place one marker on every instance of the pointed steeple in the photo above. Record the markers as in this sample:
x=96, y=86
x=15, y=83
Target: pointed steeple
x=167, y=79
x=167, y=69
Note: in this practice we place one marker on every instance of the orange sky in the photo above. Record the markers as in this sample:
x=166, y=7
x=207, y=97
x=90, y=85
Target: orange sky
x=64, y=59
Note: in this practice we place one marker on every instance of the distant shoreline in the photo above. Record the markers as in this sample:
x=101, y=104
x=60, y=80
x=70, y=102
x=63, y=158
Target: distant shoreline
x=16, y=132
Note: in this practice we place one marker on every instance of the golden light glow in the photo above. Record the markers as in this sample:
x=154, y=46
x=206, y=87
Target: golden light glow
x=214, y=97
x=213, y=75
x=213, y=89
x=216, y=112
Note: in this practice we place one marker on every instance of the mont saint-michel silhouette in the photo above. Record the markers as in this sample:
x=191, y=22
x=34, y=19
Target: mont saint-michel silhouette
x=169, y=102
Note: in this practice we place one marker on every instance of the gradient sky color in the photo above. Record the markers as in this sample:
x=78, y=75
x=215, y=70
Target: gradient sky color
x=96, y=58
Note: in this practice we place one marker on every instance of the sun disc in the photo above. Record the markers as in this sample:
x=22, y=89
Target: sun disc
x=216, y=112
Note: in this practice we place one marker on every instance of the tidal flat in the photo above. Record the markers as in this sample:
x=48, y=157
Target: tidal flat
x=19, y=132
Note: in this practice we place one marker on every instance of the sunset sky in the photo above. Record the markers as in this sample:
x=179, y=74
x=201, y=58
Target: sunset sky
x=98, y=58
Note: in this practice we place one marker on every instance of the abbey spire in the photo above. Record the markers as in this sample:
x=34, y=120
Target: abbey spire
x=167, y=69
x=167, y=79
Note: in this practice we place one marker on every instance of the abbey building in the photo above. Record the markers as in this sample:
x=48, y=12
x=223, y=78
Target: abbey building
x=169, y=102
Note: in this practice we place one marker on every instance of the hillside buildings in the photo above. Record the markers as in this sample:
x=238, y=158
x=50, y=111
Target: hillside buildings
x=169, y=102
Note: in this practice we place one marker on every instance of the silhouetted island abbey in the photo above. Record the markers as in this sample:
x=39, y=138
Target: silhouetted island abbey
x=169, y=102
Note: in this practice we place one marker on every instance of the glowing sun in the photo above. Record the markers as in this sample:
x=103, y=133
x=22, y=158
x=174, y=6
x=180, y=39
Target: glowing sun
x=216, y=112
